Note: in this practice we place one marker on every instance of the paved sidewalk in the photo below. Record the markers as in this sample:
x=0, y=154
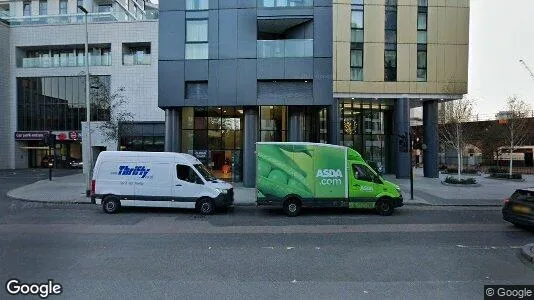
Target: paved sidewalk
x=427, y=191
x=489, y=192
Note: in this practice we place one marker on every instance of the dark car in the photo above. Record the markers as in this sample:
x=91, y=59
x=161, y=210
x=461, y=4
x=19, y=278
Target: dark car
x=519, y=208
x=47, y=161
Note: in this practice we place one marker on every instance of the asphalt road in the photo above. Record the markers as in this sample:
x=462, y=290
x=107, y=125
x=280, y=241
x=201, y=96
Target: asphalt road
x=418, y=253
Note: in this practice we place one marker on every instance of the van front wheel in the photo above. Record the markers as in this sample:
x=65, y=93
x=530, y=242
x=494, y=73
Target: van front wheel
x=292, y=207
x=206, y=206
x=111, y=204
x=384, y=207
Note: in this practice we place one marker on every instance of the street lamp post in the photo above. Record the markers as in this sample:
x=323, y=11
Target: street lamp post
x=87, y=100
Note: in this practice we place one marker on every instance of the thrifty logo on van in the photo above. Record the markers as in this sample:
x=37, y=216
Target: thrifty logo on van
x=135, y=171
x=330, y=176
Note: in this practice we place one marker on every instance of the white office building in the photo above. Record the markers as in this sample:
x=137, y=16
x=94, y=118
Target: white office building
x=42, y=75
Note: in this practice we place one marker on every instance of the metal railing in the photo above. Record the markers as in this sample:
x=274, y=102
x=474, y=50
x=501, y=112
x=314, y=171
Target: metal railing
x=284, y=3
x=136, y=59
x=285, y=48
x=69, y=61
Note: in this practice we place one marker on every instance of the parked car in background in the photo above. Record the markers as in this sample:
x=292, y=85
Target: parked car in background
x=519, y=208
x=47, y=161
x=74, y=163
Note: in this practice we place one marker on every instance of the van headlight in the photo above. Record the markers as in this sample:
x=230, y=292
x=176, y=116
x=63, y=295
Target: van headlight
x=222, y=191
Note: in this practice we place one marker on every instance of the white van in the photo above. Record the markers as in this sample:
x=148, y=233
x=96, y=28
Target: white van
x=156, y=179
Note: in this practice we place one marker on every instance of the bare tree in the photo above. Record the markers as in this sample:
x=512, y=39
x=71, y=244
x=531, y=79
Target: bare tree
x=454, y=118
x=515, y=125
x=109, y=106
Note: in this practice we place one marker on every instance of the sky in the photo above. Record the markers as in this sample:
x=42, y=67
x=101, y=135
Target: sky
x=501, y=33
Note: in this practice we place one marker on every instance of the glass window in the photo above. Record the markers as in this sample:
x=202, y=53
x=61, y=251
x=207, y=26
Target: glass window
x=357, y=19
x=356, y=36
x=186, y=173
x=391, y=20
x=421, y=37
x=204, y=172
x=362, y=172
x=391, y=37
x=27, y=8
x=63, y=7
x=421, y=21
x=356, y=58
x=422, y=3
x=197, y=31
x=196, y=4
x=43, y=7
x=105, y=8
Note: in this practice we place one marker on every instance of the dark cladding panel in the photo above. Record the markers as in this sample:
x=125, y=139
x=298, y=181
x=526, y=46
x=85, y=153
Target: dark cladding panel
x=213, y=34
x=227, y=82
x=213, y=82
x=322, y=83
x=271, y=68
x=171, y=83
x=298, y=68
x=196, y=70
x=171, y=35
x=247, y=34
x=246, y=82
x=227, y=33
x=165, y=5
x=322, y=43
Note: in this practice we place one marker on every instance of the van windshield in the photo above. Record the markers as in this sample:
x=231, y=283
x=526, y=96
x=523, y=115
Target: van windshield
x=204, y=172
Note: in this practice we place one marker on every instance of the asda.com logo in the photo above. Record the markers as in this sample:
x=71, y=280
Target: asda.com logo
x=330, y=176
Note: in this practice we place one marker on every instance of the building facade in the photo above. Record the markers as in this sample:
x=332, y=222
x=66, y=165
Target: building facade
x=43, y=86
x=233, y=73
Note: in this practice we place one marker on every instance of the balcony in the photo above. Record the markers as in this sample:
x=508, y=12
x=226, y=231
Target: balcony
x=65, y=61
x=118, y=14
x=284, y=3
x=136, y=59
x=285, y=48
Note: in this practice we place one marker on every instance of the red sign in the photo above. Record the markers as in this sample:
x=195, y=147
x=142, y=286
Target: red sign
x=61, y=136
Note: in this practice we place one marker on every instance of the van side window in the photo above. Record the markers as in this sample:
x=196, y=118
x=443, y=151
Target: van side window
x=185, y=173
x=362, y=172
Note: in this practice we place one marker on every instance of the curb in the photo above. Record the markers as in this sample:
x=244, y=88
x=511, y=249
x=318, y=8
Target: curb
x=506, y=179
x=527, y=251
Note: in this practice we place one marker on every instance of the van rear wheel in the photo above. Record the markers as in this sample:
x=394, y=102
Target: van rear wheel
x=292, y=207
x=206, y=206
x=384, y=207
x=111, y=204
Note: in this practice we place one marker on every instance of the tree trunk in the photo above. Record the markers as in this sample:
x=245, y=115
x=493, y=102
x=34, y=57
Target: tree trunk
x=511, y=161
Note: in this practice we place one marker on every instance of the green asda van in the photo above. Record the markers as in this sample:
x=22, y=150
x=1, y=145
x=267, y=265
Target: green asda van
x=296, y=175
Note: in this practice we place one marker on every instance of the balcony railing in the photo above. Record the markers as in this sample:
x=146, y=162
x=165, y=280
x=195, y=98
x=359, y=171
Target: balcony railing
x=284, y=3
x=119, y=14
x=136, y=59
x=65, y=61
x=285, y=48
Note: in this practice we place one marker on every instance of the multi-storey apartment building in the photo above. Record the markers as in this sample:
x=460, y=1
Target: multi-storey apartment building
x=232, y=73
x=42, y=80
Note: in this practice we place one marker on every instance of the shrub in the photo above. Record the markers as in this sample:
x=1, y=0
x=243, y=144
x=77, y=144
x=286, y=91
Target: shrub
x=464, y=171
x=506, y=175
x=453, y=180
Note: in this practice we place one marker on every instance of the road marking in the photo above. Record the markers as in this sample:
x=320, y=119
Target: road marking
x=488, y=247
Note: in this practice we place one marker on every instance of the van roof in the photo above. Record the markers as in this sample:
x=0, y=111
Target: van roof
x=161, y=155
x=301, y=143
